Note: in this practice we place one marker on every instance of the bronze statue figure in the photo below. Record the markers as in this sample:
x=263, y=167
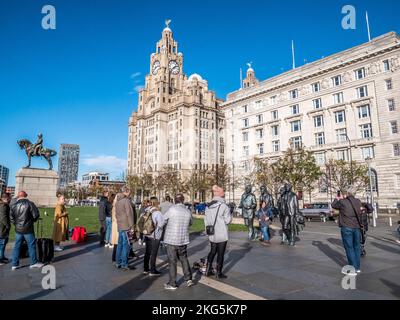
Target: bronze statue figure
x=290, y=215
x=248, y=204
x=37, y=150
x=266, y=197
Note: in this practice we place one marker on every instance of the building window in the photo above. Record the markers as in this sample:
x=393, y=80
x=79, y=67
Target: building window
x=246, y=166
x=275, y=146
x=245, y=109
x=367, y=152
x=260, y=133
x=393, y=127
x=396, y=149
x=260, y=148
x=316, y=87
x=295, y=109
x=296, y=126
x=318, y=121
x=275, y=131
x=340, y=116
x=320, y=158
x=364, y=112
x=342, y=155
x=245, y=136
x=294, y=94
x=296, y=143
x=274, y=115
x=391, y=105
x=366, y=131
x=245, y=123
x=362, y=92
x=320, y=139
x=338, y=98
x=273, y=100
x=397, y=177
x=246, y=151
x=337, y=81
x=317, y=103
x=389, y=84
x=259, y=118
x=323, y=184
x=386, y=65
x=360, y=74
x=341, y=135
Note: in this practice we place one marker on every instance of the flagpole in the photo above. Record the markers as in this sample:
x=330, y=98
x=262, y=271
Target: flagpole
x=293, y=55
x=369, y=31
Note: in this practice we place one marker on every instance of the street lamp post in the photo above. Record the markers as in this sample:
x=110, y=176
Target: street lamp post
x=351, y=158
x=374, y=216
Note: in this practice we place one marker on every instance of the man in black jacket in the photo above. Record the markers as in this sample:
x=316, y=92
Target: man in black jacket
x=23, y=215
x=4, y=225
x=105, y=208
x=350, y=225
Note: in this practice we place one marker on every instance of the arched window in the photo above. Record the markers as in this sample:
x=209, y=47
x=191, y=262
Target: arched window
x=373, y=182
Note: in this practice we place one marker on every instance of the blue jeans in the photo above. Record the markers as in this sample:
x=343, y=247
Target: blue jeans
x=265, y=233
x=3, y=243
x=31, y=241
x=108, y=229
x=123, y=249
x=352, y=244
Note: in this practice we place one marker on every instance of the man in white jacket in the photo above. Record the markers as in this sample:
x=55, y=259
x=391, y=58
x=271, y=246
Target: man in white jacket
x=218, y=215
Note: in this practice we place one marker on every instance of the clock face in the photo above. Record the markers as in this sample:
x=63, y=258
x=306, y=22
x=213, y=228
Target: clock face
x=173, y=67
x=156, y=66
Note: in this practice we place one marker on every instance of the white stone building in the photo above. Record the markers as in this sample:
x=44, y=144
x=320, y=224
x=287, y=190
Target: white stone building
x=345, y=105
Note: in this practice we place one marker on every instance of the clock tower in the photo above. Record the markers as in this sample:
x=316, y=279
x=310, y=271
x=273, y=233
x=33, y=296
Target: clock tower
x=178, y=122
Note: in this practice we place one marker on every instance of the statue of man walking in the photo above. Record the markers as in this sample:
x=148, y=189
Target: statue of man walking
x=248, y=204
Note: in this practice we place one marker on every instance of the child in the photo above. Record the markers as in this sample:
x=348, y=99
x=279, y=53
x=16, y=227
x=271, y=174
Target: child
x=264, y=220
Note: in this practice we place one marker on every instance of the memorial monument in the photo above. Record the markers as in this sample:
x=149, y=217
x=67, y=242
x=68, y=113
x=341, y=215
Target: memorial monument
x=39, y=184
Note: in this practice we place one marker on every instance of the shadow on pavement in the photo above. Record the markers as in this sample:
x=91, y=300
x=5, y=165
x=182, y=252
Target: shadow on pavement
x=394, y=287
x=39, y=294
x=234, y=256
x=84, y=250
x=385, y=247
x=330, y=253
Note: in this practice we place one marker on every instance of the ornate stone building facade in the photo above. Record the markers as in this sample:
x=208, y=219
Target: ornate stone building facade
x=178, y=122
x=343, y=106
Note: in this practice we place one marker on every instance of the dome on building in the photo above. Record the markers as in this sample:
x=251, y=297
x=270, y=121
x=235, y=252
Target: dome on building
x=195, y=76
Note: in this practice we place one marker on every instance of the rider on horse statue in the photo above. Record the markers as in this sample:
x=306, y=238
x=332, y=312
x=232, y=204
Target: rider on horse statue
x=37, y=147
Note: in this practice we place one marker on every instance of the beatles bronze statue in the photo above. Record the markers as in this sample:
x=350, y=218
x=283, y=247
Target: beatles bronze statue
x=37, y=150
x=248, y=204
x=266, y=197
x=290, y=216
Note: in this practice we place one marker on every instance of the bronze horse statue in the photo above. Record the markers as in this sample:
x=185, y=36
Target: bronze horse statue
x=43, y=152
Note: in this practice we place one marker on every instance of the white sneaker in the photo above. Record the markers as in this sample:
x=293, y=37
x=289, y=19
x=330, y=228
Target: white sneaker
x=111, y=246
x=15, y=268
x=36, y=266
x=398, y=241
x=140, y=242
x=358, y=271
x=58, y=249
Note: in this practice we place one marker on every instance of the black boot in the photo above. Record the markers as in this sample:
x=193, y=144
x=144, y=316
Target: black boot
x=209, y=270
x=220, y=275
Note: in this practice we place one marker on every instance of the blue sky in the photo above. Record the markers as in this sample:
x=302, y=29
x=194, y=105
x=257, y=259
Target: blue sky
x=76, y=84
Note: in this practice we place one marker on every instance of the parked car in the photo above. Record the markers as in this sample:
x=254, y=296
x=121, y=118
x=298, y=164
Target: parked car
x=321, y=210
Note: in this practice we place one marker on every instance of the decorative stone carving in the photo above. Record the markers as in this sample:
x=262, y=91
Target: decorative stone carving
x=347, y=77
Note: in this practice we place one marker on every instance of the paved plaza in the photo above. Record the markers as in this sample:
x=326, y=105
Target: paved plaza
x=311, y=270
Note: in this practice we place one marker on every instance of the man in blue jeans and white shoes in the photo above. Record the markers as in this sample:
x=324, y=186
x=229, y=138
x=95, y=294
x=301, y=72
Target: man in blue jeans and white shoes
x=23, y=215
x=349, y=223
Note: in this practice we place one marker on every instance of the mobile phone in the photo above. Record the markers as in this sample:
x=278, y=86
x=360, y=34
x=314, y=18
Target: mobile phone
x=339, y=194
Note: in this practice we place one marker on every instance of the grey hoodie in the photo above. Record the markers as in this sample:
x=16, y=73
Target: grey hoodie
x=223, y=220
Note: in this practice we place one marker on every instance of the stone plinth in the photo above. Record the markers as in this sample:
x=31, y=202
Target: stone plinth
x=39, y=184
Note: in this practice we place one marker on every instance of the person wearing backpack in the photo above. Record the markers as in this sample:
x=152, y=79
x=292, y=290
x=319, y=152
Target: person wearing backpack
x=151, y=225
x=217, y=218
x=351, y=227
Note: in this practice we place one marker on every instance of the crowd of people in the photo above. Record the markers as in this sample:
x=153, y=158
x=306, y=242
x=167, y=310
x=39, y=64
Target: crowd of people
x=164, y=224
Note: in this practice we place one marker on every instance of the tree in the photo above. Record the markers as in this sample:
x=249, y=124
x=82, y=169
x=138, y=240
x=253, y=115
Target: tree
x=197, y=181
x=299, y=168
x=172, y=181
x=220, y=176
x=264, y=173
x=146, y=184
x=342, y=174
x=133, y=183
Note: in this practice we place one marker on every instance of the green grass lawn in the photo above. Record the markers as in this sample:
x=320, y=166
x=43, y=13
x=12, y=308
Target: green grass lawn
x=88, y=217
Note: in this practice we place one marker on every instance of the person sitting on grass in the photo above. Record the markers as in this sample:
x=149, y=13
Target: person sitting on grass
x=60, y=229
x=265, y=221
